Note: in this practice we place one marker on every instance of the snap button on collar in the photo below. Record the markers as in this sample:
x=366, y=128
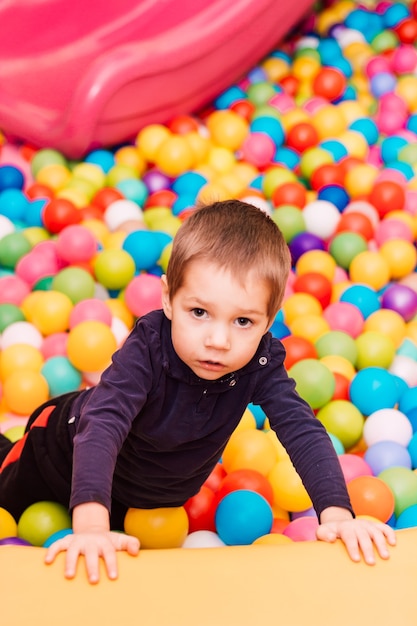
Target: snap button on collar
x=263, y=360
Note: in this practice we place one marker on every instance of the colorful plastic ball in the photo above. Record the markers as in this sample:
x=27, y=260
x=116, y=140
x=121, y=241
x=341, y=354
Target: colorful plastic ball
x=316, y=261
x=345, y=317
x=8, y=525
x=59, y=213
x=143, y=294
x=90, y=346
x=311, y=327
x=21, y=332
x=59, y=534
x=408, y=518
x=300, y=304
x=384, y=454
x=12, y=248
x=203, y=539
x=358, y=223
x=144, y=247
x=343, y=419
x=289, y=220
x=389, y=323
x=371, y=496
x=289, y=491
x=387, y=196
x=76, y=244
x=42, y=519
x=159, y=528
x=290, y=193
x=35, y=265
x=11, y=177
x=345, y=246
x=401, y=257
x=402, y=299
x=370, y=268
x=387, y=424
x=24, y=390
x=242, y=516
x=250, y=450
x=114, y=268
x=373, y=388
x=297, y=349
x=61, y=376
x=403, y=484
x=51, y=312
x=336, y=342
x=74, y=282
x=9, y=314
x=201, y=510
x=272, y=539
x=302, y=529
x=329, y=83
x=363, y=297
x=321, y=218
x=315, y=284
x=19, y=356
x=90, y=309
x=246, y=479
x=353, y=466
x=305, y=242
x=374, y=349
x=314, y=382
x=302, y=136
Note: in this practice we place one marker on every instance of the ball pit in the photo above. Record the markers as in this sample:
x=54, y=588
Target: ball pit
x=346, y=202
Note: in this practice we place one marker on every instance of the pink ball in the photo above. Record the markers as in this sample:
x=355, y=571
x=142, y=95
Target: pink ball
x=36, y=265
x=388, y=122
x=13, y=290
x=395, y=176
x=404, y=59
x=258, y=149
x=392, y=229
x=410, y=201
x=143, y=294
x=90, y=309
x=76, y=244
x=302, y=529
x=376, y=65
x=345, y=317
x=54, y=345
x=353, y=466
x=283, y=102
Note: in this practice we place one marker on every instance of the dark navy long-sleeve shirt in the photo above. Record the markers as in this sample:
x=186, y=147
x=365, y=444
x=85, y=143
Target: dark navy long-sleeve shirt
x=151, y=431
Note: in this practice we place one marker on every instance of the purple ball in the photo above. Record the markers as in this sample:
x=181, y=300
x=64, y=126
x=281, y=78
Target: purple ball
x=385, y=454
x=401, y=299
x=304, y=242
x=155, y=180
x=14, y=541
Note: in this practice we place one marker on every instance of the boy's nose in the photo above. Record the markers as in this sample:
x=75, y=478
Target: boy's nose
x=218, y=337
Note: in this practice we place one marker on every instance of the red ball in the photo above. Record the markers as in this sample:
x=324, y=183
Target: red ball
x=341, y=390
x=302, y=136
x=215, y=479
x=354, y=222
x=293, y=193
x=201, y=510
x=183, y=124
x=328, y=174
x=387, y=196
x=316, y=285
x=164, y=197
x=38, y=190
x=279, y=524
x=407, y=31
x=297, y=349
x=246, y=479
x=289, y=84
x=106, y=196
x=59, y=213
x=244, y=108
x=329, y=83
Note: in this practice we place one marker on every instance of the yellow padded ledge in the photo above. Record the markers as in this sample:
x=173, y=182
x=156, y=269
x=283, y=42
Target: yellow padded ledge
x=288, y=585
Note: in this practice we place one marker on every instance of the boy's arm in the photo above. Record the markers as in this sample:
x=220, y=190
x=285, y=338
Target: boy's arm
x=93, y=539
x=358, y=535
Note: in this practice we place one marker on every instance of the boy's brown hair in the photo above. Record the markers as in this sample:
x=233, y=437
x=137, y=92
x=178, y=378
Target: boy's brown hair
x=235, y=236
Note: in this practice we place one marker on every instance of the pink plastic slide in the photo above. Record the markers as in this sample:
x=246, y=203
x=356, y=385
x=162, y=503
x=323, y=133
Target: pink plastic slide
x=77, y=74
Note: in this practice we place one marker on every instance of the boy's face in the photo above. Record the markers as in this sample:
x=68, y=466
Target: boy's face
x=217, y=322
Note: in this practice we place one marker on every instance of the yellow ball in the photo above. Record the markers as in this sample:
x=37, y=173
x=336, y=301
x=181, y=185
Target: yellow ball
x=370, y=268
x=329, y=122
x=389, y=323
x=19, y=356
x=174, y=156
x=275, y=177
x=273, y=539
x=374, y=350
x=249, y=449
x=401, y=257
x=8, y=526
x=119, y=309
x=51, y=312
x=300, y=304
x=157, y=528
x=149, y=140
x=310, y=327
x=90, y=346
x=289, y=491
x=91, y=173
x=355, y=143
x=360, y=179
x=199, y=145
x=339, y=365
x=317, y=261
x=227, y=129
x=24, y=390
x=247, y=421
x=55, y=176
x=221, y=159
x=131, y=157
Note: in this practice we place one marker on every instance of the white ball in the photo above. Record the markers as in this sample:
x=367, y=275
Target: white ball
x=119, y=330
x=321, y=218
x=203, y=539
x=121, y=211
x=21, y=332
x=6, y=226
x=406, y=368
x=387, y=425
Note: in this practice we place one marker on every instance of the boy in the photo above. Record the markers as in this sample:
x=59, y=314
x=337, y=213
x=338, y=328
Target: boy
x=149, y=434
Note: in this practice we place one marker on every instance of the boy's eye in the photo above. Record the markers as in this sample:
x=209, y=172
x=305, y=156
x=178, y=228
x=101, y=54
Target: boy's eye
x=198, y=312
x=243, y=322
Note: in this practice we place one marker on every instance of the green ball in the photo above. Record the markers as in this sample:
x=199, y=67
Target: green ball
x=9, y=314
x=345, y=247
x=336, y=342
x=403, y=483
x=46, y=156
x=41, y=520
x=315, y=383
x=261, y=93
x=343, y=420
x=374, y=350
x=12, y=247
x=289, y=220
x=74, y=282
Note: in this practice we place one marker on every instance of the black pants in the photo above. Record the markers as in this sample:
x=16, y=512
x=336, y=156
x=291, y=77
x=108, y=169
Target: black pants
x=38, y=467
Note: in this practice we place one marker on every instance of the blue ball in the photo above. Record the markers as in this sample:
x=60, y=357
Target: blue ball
x=373, y=388
x=242, y=516
x=188, y=184
x=61, y=376
x=336, y=195
x=230, y=96
x=103, y=158
x=286, y=156
x=144, y=247
x=385, y=454
x=394, y=14
x=11, y=177
x=363, y=297
x=390, y=147
x=382, y=83
x=408, y=400
x=336, y=148
x=368, y=128
x=408, y=518
x=270, y=126
x=279, y=330
x=258, y=413
x=133, y=189
x=13, y=204
x=60, y=534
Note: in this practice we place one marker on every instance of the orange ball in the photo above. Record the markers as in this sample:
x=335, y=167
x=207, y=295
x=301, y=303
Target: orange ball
x=24, y=390
x=370, y=496
x=160, y=528
x=249, y=449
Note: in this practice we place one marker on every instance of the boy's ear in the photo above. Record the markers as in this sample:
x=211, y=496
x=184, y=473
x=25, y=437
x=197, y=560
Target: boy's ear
x=166, y=302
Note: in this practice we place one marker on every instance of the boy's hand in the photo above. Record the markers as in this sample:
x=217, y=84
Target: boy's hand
x=360, y=536
x=93, y=539
x=93, y=546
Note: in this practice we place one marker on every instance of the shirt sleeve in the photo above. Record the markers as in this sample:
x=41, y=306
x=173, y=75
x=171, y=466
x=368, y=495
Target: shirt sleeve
x=303, y=436
x=106, y=418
